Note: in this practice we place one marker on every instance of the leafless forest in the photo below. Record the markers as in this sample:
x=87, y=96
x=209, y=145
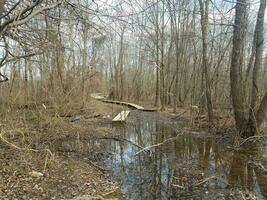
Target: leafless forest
x=67, y=68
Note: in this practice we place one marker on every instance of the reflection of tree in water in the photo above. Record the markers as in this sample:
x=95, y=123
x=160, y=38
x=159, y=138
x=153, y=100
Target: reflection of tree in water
x=246, y=174
x=178, y=169
x=240, y=172
x=262, y=180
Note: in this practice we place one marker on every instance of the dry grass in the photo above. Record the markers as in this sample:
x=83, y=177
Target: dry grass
x=48, y=139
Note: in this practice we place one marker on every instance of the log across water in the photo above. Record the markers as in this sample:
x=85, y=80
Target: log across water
x=131, y=105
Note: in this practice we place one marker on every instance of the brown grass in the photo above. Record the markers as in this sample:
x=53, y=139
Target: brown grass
x=49, y=140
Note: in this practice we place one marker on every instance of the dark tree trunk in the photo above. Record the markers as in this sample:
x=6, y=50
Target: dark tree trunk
x=258, y=43
x=239, y=36
x=262, y=111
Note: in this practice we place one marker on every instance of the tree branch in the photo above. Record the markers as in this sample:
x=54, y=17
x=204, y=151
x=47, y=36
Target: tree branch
x=262, y=111
x=21, y=19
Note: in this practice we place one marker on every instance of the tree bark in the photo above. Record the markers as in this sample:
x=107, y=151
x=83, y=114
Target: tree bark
x=262, y=111
x=239, y=35
x=162, y=64
x=258, y=43
x=204, y=7
x=2, y=6
x=157, y=97
x=176, y=33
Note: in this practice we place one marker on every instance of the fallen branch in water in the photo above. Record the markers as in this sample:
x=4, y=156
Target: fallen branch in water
x=159, y=144
x=199, y=183
x=123, y=140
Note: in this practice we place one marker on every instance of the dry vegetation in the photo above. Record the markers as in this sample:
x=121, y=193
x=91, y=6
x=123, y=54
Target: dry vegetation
x=58, y=145
x=199, y=60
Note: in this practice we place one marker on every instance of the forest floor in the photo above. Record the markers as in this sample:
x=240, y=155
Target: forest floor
x=45, y=154
x=49, y=154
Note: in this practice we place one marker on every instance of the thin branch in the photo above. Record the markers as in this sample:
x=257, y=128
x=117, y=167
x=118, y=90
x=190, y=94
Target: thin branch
x=10, y=10
x=21, y=19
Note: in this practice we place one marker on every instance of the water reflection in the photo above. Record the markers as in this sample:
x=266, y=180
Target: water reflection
x=248, y=174
x=189, y=167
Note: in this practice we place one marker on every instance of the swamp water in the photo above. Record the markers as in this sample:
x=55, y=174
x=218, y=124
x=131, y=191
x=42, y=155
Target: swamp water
x=181, y=165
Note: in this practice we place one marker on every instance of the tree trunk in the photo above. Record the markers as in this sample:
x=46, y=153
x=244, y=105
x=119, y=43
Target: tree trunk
x=2, y=6
x=2, y=11
x=157, y=97
x=258, y=43
x=262, y=111
x=162, y=64
x=204, y=7
x=120, y=65
x=84, y=61
x=239, y=35
x=176, y=24
x=26, y=91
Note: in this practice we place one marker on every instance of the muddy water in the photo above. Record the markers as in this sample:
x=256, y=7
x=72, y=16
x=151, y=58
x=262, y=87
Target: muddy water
x=189, y=166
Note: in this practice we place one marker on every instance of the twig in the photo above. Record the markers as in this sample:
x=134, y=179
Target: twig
x=159, y=144
x=123, y=140
x=14, y=146
x=252, y=137
x=108, y=194
x=178, y=186
x=98, y=167
x=204, y=180
x=23, y=149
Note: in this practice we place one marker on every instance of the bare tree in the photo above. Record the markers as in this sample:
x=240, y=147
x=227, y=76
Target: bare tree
x=204, y=10
x=258, y=44
x=247, y=125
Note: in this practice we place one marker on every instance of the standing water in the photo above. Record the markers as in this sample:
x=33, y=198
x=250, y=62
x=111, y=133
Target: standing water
x=181, y=165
